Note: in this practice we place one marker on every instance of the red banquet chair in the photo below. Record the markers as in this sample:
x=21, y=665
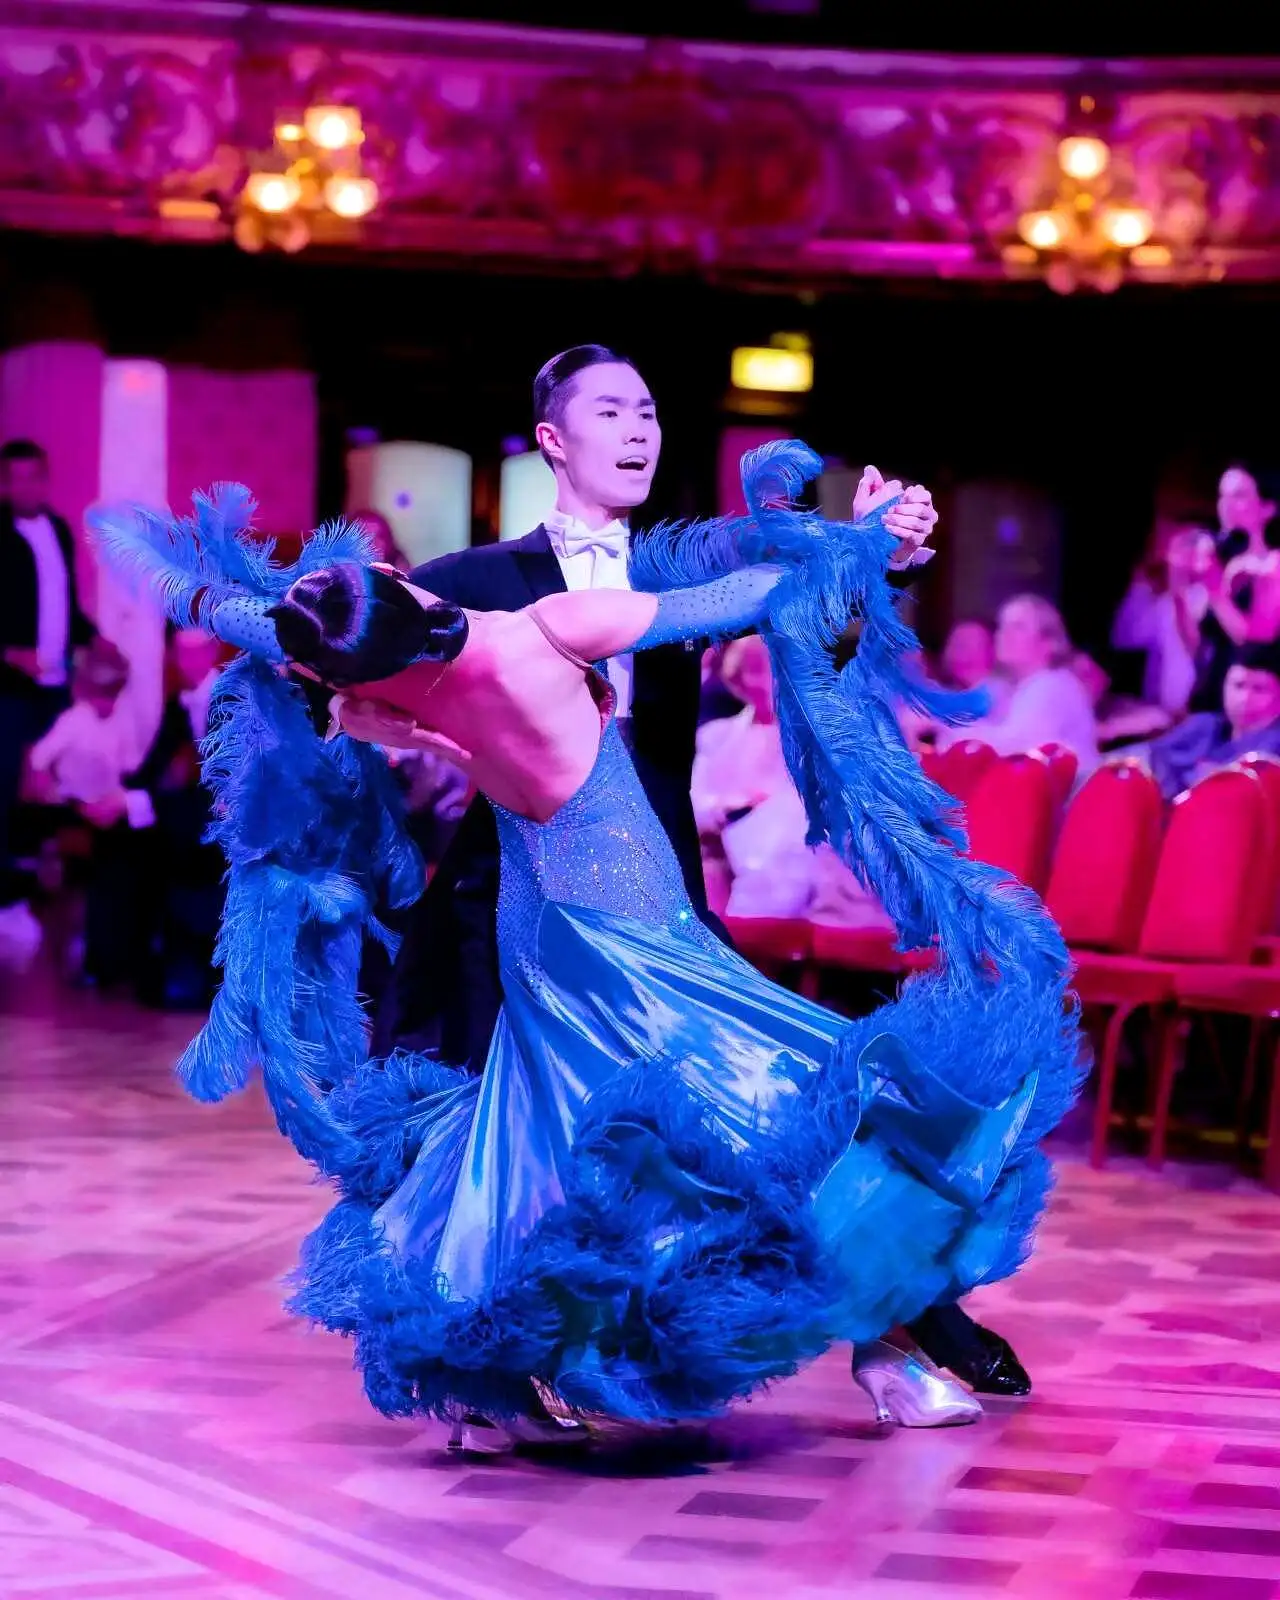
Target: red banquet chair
x=859, y=950
x=1201, y=913
x=1064, y=766
x=1105, y=860
x=771, y=943
x=959, y=769
x=1250, y=987
x=1011, y=818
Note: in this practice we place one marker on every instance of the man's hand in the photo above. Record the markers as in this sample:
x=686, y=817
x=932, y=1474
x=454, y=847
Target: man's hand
x=374, y=722
x=911, y=521
x=25, y=661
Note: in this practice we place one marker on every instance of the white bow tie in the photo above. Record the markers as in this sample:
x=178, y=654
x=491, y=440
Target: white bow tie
x=571, y=537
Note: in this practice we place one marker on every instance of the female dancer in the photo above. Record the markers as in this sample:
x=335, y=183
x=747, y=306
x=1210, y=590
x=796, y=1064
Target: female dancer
x=674, y=1181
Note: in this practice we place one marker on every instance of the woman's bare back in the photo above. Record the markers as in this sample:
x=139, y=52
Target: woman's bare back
x=524, y=715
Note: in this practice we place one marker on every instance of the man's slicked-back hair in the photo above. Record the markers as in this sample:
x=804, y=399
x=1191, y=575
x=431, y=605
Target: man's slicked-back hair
x=556, y=382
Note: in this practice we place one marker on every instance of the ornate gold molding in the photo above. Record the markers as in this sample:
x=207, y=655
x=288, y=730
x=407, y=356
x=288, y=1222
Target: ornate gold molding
x=616, y=153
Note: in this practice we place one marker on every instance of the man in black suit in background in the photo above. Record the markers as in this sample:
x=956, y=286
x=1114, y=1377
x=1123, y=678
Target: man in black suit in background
x=597, y=427
x=41, y=623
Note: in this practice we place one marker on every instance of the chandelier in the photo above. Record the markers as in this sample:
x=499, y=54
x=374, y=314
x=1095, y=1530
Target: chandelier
x=1086, y=230
x=310, y=184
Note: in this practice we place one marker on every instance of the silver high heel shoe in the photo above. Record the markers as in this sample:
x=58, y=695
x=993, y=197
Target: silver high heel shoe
x=906, y=1388
x=477, y=1435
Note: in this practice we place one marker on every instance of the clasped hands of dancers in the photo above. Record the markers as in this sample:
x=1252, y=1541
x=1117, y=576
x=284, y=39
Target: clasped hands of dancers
x=673, y=1181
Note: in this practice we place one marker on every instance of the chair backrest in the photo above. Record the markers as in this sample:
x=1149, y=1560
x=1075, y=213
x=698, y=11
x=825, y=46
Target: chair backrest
x=1204, y=903
x=1064, y=764
x=959, y=769
x=1010, y=815
x=1267, y=768
x=1105, y=859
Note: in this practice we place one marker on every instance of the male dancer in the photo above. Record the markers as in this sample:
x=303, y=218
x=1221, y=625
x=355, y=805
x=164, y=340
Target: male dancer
x=597, y=427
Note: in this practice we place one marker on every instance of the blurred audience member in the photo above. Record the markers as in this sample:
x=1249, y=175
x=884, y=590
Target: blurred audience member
x=41, y=623
x=717, y=700
x=1243, y=583
x=1047, y=703
x=1119, y=718
x=383, y=536
x=436, y=793
x=155, y=891
x=751, y=819
x=968, y=657
x=1248, y=722
x=1245, y=509
x=1163, y=613
x=84, y=755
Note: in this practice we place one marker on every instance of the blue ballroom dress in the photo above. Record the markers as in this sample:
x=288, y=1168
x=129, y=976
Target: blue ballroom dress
x=675, y=1181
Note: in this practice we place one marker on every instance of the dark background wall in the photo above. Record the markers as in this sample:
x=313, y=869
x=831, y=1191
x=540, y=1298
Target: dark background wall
x=1099, y=401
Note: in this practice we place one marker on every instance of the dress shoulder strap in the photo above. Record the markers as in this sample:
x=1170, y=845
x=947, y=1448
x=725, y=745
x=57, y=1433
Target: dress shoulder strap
x=557, y=643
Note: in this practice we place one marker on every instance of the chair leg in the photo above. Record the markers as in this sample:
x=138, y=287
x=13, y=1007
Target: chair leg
x=1107, y=1083
x=1166, y=1069
x=1248, y=1087
x=1271, y=1156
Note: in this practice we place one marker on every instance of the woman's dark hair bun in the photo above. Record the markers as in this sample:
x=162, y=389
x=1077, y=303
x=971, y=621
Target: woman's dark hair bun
x=351, y=624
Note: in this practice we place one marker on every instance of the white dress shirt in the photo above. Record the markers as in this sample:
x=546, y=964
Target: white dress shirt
x=595, y=559
x=1046, y=707
x=53, y=590
x=86, y=755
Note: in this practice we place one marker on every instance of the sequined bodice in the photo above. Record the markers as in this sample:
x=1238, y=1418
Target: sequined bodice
x=604, y=849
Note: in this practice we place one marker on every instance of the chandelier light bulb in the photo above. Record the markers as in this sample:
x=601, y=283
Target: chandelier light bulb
x=1083, y=158
x=272, y=192
x=1127, y=227
x=1042, y=230
x=333, y=127
x=351, y=197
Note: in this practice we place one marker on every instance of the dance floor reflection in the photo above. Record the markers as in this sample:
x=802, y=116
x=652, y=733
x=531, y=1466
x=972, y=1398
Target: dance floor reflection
x=165, y=1431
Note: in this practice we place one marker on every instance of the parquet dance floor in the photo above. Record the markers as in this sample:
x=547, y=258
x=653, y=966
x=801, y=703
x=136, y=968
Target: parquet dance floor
x=166, y=1432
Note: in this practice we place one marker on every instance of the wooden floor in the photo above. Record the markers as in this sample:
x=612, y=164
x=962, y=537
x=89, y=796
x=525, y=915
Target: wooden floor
x=166, y=1432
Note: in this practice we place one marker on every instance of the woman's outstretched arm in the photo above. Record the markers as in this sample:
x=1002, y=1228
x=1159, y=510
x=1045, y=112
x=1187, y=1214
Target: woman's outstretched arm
x=599, y=623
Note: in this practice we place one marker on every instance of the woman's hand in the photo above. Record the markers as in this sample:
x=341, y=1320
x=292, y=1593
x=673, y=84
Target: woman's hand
x=911, y=521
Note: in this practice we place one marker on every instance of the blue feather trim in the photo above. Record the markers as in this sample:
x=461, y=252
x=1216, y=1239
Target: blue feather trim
x=997, y=1008
x=312, y=831
x=748, y=1283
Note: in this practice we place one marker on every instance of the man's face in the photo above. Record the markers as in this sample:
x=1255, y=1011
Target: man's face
x=1240, y=505
x=609, y=441
x=25, y=485
x=1250, y=699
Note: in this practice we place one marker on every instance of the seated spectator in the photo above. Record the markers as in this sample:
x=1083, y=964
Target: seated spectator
x=968, y=657
x=1120, y=718
x=1047, y=703
x=751, y=819
x=84, y=755
x=1248, y=722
